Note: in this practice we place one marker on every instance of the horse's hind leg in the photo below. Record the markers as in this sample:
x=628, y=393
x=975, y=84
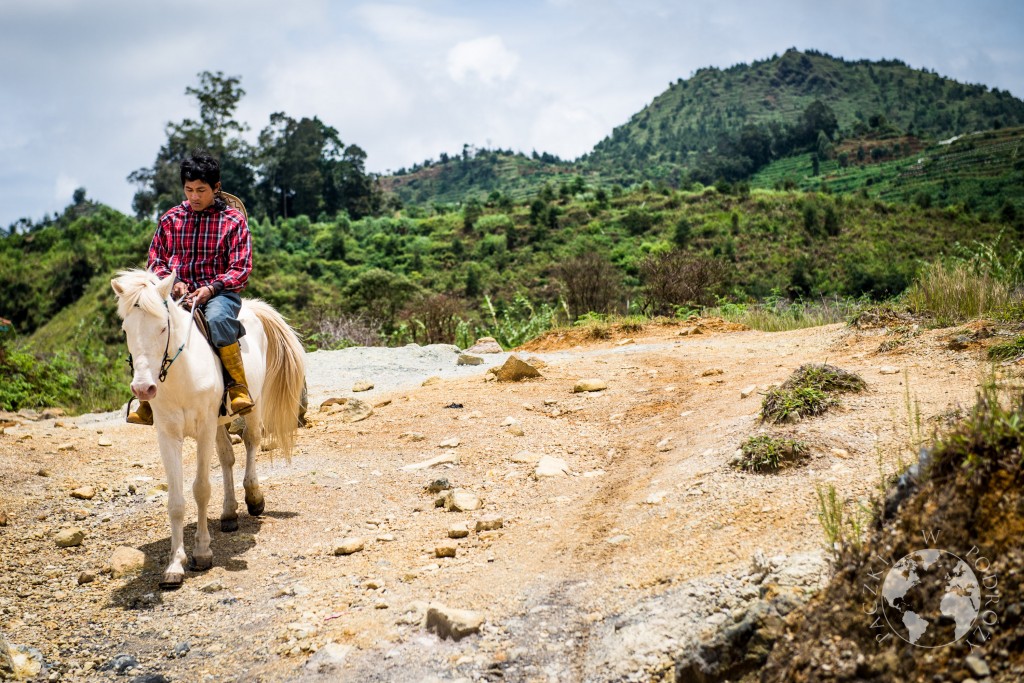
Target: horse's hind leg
x=226, y=454
x=253, y=436
x=202, y=556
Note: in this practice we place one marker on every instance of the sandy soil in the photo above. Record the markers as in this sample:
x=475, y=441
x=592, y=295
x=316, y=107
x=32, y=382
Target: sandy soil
x=629, y=520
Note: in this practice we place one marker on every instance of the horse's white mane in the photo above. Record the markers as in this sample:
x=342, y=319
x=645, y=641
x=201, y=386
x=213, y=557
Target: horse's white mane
x=139, y=289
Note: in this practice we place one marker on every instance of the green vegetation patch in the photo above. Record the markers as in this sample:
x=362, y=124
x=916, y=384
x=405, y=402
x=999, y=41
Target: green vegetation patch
x=809, y=391
x=1007, y=350
x=991, y=438
x=766, y=453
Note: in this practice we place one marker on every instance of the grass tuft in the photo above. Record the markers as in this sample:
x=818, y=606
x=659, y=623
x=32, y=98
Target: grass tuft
x=1007, y=350
x=766, y=453
x=808, y=391
x=953, y=293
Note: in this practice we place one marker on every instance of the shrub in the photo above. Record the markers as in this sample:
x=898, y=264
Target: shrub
x=989, y=439
x=952, y=293
x=591, y=284
x=345, y=330
x=808, y=391
x=766, y=453
x=434, y=318
x=676, y=278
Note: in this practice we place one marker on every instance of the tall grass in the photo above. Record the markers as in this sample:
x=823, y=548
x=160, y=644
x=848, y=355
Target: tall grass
x=954, y=292
x=778, y=314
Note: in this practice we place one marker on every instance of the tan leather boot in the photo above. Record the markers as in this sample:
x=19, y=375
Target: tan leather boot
x=238, y=392
x=143, y=415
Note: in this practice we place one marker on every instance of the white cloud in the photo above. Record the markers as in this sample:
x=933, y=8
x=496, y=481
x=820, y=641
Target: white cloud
x=487, y=58
x=64, y=187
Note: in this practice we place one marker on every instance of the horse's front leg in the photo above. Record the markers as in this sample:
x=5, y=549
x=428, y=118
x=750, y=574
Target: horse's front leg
x=170, y=439
x=202, y=556
x=229, y=513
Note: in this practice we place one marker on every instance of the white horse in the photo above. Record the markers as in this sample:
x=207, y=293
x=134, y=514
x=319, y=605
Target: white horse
x=191, y=387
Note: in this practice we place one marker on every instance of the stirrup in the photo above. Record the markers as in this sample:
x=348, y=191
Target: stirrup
x=142, y=416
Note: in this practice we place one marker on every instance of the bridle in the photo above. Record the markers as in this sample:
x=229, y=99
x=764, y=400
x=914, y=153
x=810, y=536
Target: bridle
x=168, y=360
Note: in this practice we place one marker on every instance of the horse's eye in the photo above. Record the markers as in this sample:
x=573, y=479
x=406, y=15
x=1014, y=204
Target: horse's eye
x=135, y=306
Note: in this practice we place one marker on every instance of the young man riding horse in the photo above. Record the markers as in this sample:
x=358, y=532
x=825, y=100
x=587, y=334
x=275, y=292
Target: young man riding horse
x=207, y=243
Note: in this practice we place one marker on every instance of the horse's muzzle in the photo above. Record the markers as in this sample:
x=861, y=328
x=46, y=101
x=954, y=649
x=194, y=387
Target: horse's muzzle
x=144, y=392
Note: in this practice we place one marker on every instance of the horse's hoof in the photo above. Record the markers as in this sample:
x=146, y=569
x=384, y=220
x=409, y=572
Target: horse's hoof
x=256, y=509
x=229, y=525
x=172, y=581
x=200, y=564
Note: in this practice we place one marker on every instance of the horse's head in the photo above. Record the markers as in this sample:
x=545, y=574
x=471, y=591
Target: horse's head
x=143, y=302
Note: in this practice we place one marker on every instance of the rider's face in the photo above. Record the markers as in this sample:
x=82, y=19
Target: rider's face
x=199, y=194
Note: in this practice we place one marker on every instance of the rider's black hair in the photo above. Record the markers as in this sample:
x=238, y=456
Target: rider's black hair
x=201, y=165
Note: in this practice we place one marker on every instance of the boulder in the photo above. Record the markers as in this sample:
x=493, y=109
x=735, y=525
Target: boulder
x=550, y=466
x=126, y=560
x=485, y=345
x=467, y=359
x=515, y=370
x=592, y=384
x=452, y=623
x=69, y=538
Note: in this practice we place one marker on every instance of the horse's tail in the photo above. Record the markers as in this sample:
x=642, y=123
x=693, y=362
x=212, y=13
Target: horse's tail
x=286, y=375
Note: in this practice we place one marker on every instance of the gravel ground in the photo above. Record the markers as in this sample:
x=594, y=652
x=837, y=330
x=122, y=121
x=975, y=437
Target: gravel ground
x=647, y=505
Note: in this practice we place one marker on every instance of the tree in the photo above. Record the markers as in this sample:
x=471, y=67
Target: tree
x=216, y=130
x=591, y=284
x=305, y=169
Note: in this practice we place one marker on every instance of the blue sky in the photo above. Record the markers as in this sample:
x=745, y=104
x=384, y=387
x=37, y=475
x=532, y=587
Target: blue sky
x=89, y=85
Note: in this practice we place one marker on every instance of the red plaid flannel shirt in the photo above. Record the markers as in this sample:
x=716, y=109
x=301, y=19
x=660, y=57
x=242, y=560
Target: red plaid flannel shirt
x=210, y=247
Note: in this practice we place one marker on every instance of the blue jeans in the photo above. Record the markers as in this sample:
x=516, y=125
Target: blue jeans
x=222, y=314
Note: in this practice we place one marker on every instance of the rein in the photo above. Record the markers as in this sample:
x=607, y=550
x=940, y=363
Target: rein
x=168, y=360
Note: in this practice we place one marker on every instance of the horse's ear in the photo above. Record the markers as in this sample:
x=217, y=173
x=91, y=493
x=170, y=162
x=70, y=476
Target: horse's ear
x=118, y=289
x=165, y=286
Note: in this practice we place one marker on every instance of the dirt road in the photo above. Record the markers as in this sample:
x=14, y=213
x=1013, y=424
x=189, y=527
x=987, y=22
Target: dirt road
x=649, y=501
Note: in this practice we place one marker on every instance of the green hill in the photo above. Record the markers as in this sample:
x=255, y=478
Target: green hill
x=749, y=114
x=980, y=171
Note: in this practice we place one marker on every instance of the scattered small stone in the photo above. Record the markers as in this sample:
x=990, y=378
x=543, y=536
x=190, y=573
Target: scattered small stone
x=350, y=545
x=362, y=386
x=452, y=442
x=430, y=381
x=624, y=342
x=489, y=523
x=104, y=441
x=329, y=657
x=235, y=439
x=43, y=472
x=355, y=410
x=450, y=457
x=86, y=577
x=655, y=498
x=515, y=370
x=485, y=345
x=66, y=447
x=462, y=500
x=454, y=406
x=525, y=458
x=585, y=385
x=453, y=623
x=213, y=587
x=617, y=540
x=840, y=452
x=84, y=493
x=445, y=550
x=3, y=518
x=412, y=436
x=458, y=530
x=977, y=666
x=386, y=538
x=889, y=370
x=438, y=485
x=120, y=664
x=69, y=538
x=181, y=649
x=550, y=466
x=126, y=560
x=516, y=430
x=151, y=678
x=665, y=445
x=712, y=372
x=467, y=359
x=745, y=392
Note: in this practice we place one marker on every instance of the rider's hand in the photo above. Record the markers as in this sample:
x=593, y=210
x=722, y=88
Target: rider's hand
x=180, y=290
x=199, y=297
